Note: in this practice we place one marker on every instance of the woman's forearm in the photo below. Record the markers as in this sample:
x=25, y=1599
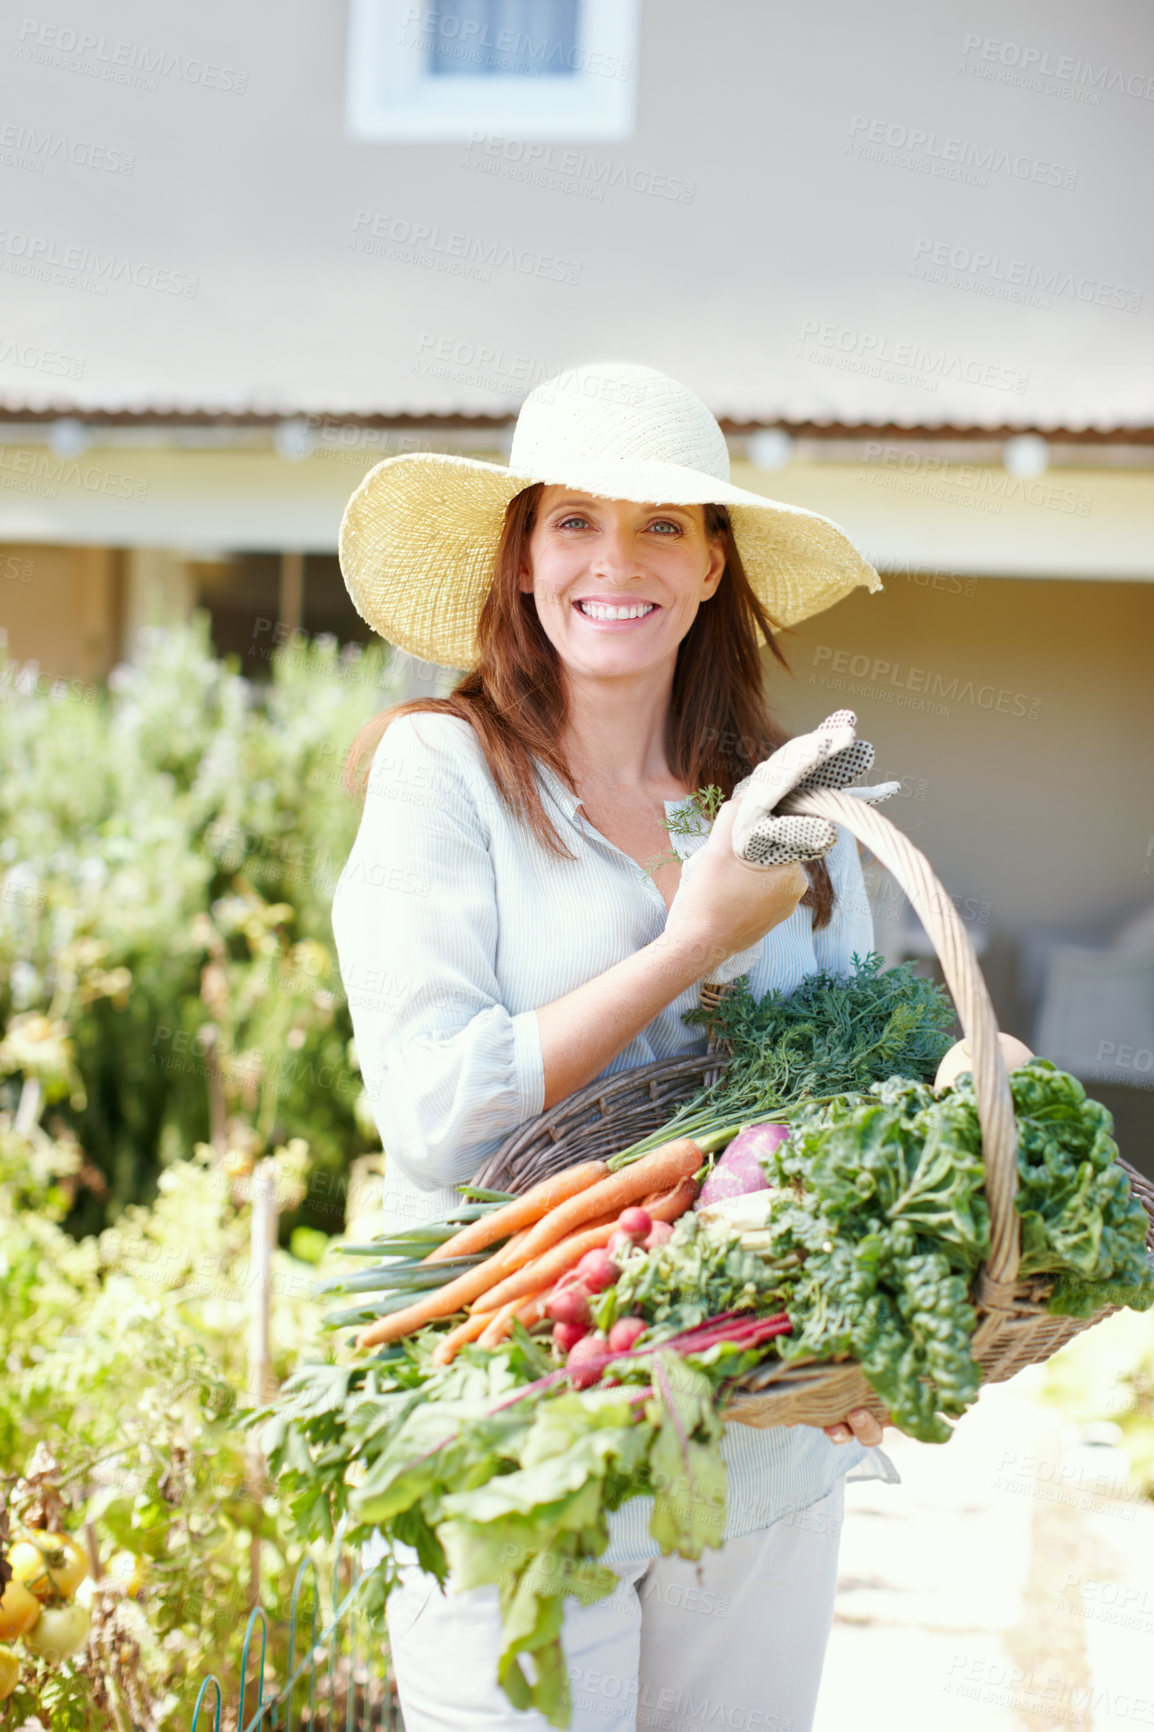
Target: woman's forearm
x=581, y=1032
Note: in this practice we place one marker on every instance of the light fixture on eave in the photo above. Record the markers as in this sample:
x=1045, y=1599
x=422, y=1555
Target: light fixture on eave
x=769, y=448
x=1026, y=455
x=293, y=440
x=67, y=437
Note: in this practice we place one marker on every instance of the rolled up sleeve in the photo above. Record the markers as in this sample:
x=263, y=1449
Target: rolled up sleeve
x=851, y=930
x=449, y=1072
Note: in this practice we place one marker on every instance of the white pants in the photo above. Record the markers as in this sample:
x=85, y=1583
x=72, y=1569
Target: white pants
x=735, y=1641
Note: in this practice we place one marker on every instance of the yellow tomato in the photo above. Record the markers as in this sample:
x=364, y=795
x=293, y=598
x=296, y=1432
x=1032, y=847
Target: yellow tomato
x=59, y=1632
x=51, y=1565
x=19, y=1610
x=9, y=1673
x=131, y=1572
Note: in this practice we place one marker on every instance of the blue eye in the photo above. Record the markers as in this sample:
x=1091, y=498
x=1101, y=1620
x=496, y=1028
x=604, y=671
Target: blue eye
x=566, y=521
x=666, y=523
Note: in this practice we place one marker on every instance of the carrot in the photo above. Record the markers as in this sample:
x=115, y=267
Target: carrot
x=442, y=1301
x=544, y=1271
x=547, y=1269
x=447, y=1349
x=493, y=1316
x=521, y=1212
x=658, y=1171
x=527, y=1311
x=671, y=1205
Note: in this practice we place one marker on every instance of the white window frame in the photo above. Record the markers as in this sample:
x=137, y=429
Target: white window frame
x=391, y=93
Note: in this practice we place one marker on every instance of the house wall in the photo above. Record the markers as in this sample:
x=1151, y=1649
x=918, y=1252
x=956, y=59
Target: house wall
x=773, y=232
x=62, y=607
x=1028, y=788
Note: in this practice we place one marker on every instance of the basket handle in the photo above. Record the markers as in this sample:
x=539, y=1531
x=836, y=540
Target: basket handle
x=968, y=989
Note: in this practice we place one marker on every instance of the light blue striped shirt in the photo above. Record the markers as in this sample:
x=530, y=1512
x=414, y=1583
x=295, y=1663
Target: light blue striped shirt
x=452, y=926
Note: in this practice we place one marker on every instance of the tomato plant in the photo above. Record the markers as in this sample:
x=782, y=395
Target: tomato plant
x=9, y=1672
x=59, y=1632
x=19, y=1610
x=51, y=1566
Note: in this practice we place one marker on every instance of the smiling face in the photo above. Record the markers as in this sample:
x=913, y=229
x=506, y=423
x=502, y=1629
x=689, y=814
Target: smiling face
x=617, y=585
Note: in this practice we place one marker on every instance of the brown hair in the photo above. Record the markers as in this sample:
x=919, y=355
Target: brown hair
x=513, y=698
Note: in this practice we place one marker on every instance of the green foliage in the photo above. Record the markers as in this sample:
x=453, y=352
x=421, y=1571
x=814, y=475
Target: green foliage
x=830, y=1036
x=168, y=851
x=1106, y=1376
x=882, y=1222
x=125, y=1356
x=495, y=1469
x=699, y=1273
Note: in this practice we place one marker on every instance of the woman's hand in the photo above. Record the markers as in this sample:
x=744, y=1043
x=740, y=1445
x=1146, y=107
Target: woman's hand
x=859, y=1424
x=725, y=905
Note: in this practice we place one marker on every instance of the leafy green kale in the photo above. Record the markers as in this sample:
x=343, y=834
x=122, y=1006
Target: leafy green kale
x=883, y=1216
x=1080, y=1219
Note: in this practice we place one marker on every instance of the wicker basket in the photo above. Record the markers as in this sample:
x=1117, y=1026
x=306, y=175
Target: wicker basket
x=1014, y=1327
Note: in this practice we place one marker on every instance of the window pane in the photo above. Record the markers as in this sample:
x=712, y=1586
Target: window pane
x=503, y=38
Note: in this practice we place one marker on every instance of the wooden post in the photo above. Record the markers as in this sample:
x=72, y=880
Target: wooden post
x=291, y=597
x=263, y=1239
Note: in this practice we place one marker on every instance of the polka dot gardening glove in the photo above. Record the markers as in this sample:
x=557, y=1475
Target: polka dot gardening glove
x=829, y=757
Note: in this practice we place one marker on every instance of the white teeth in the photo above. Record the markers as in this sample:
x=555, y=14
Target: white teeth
x=598, y=610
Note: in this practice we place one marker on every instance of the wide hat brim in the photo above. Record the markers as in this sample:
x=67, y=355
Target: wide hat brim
x=419, y=537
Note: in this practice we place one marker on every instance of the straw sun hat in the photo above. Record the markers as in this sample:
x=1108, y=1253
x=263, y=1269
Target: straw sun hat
x=420, y=533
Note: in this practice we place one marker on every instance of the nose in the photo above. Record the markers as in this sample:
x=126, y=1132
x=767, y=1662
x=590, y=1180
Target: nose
x=615, y=555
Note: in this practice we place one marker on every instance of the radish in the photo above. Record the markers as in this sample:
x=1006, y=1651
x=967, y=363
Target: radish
x=597, y=1271
x=624, y=1333
x=569, y=1305
x=659, y=1234
x=587, y=1360
x=739, y=1171
x=635, y=1223
x=567, y=1335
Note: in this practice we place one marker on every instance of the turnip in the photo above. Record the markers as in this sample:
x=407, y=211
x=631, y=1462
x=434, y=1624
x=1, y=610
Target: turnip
x=597, y=1271
x=624, y=1334
x=587, y=1360
x=959, y=1059
x=567, y=1335
x=739, y=1171
x=569, y=1305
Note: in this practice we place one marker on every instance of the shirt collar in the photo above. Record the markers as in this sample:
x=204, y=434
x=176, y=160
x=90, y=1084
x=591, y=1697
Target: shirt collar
x=570, y=803
x=564, y=797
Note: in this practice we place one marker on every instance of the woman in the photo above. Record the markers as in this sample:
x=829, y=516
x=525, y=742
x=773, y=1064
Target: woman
x=502, y=944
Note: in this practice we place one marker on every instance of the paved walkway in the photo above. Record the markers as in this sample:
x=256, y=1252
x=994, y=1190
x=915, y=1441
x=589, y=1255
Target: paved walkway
x=1007, y=1585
